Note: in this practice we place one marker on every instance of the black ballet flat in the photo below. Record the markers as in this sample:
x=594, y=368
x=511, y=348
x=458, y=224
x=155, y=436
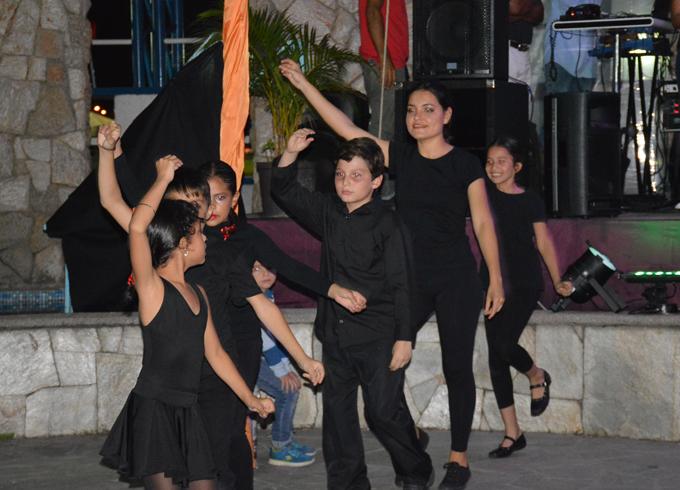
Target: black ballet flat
x=539, y=405
x=504, y=452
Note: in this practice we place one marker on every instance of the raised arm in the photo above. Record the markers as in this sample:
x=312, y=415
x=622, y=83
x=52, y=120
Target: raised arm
x=546, y=248
x=147, y=282
x=110, y=196
x=272, y=318
x=333, y=116
x=482, y=222
x=224, y=367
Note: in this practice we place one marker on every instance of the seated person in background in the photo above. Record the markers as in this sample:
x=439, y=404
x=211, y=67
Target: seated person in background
x=278, y=378
x=366, y=247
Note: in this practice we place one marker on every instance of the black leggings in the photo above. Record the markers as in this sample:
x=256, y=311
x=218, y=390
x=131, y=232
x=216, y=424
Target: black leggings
x=457, y=305
x=502, y=334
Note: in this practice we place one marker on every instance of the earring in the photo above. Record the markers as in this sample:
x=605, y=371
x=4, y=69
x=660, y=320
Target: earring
x=186, y=252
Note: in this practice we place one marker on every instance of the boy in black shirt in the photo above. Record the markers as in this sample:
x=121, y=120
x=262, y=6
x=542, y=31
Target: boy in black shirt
x=365, y=248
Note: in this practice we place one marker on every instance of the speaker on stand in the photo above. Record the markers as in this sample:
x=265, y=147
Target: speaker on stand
x=583, y=154
x=460, y=39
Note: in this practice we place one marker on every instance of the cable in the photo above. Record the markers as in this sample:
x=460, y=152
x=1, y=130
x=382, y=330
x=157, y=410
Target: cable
x=382, y=78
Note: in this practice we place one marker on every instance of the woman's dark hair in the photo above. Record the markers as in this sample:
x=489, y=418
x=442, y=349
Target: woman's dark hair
x=223, y=171
x=190, y=183
x=512, y=146
x=366, y=149
x=173, y=221
x=442, y=95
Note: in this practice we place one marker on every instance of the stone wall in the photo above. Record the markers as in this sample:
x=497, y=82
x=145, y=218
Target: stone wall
x=613, y=375
x=44, y=131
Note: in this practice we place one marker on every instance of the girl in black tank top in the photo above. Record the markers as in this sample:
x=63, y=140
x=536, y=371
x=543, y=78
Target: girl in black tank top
x=160, y=434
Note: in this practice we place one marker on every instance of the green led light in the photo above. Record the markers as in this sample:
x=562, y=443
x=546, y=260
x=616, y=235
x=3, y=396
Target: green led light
x=659, y=273
x=639, y=273
x=650, y=273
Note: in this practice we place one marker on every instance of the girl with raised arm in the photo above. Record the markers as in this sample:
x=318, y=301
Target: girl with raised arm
x=435, y=184
x=160, y=434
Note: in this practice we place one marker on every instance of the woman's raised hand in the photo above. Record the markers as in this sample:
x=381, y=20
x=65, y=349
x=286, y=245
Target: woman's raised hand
x=292, y=71
x=108, y=136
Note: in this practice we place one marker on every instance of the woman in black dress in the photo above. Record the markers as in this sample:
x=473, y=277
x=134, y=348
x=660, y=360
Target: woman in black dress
x=435, y=184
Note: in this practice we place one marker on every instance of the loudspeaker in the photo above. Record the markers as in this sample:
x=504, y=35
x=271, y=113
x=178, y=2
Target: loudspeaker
x=583, y=154
x=460, y=39
x=483, y=110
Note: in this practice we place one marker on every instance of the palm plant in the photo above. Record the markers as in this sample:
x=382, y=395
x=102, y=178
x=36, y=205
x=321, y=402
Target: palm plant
x=272, y=38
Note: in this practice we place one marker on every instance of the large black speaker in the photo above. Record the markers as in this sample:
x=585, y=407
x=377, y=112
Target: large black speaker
x=460, y=39
x=583, y=154
x=483, y=110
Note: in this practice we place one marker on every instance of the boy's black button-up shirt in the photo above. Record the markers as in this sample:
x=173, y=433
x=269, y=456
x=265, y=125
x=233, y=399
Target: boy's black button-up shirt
x=368, y=250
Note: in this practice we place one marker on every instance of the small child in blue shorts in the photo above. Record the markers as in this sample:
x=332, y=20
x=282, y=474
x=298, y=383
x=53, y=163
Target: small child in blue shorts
x=278, y=379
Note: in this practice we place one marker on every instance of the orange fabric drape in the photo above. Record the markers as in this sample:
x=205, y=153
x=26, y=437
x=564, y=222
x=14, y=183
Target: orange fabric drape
x=235, y=81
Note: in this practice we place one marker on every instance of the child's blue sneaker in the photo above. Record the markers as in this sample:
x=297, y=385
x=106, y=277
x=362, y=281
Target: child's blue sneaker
x=289, y=456
x=309, y=451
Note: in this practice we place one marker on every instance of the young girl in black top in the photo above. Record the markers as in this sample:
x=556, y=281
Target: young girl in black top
x=226, y=277
x=435, y=184
x=160, y=434
x=520, y=217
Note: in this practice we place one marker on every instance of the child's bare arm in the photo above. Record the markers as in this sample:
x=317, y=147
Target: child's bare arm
x=110, y=196
x=224, y=367
x=546, y=248
x=272, y=318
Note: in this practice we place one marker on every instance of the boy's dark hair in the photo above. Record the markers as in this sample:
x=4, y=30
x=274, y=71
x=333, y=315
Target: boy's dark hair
x=219, y=169
x=190, y=183
x=512, y=146
x=366, y=149
x=173, y=221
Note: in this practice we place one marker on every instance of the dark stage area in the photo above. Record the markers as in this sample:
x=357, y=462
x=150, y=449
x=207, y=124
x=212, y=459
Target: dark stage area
x=632, y=241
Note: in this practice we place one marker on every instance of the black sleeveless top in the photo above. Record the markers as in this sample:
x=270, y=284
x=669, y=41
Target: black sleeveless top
x=174, y=349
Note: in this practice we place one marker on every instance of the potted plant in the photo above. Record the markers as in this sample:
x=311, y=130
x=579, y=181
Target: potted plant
x=273, y=37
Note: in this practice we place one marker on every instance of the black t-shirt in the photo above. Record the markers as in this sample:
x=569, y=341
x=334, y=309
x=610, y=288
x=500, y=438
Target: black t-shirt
x=514, y=217
x=432, y=201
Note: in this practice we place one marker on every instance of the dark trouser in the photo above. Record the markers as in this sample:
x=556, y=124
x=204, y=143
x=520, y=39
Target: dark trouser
x=457, y=304
x=502, y=334
x=225, y=417
x=386, y=412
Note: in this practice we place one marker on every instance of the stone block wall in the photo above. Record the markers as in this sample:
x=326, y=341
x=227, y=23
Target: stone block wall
x=613, y=375
x=44, y=131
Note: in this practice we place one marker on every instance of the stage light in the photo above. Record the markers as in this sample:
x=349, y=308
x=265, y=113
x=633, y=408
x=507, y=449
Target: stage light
x=103, y=112
x=590, y=274
x=655, y=292
x=96, y=108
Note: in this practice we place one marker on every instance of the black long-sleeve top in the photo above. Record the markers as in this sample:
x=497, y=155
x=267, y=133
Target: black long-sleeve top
x=254, y=244
x=367, y=250
x=226, y=278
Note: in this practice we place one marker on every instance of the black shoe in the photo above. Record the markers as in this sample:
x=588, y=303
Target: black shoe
x=539, y=405
x=504, y=452
x=420, y=485
x=456, y=478
x=424, y=440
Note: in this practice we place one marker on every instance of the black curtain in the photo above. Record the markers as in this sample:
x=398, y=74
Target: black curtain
x=183, y=120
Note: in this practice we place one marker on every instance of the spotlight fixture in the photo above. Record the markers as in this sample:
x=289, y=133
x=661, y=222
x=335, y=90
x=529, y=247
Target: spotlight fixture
x=655, y=291
x=589, y=275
